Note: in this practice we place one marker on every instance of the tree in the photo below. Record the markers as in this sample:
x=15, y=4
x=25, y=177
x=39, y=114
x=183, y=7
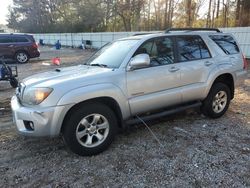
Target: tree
x=124, y=15
x=12, y=19
x=242, y=13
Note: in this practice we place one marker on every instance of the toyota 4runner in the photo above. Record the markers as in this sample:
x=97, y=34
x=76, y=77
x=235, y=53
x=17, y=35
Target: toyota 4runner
x=145, y=75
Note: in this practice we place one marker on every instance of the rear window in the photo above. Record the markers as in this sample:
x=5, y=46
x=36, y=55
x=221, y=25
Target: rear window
x=31, y=38
x=226, y=43
x=20, y=39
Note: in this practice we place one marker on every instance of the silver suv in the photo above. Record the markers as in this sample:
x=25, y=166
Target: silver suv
x=146, y=75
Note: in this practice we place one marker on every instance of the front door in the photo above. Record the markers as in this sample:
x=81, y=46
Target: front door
x=156, y=86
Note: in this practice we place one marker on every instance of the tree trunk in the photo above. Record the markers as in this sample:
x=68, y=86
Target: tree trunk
x=218, y=9
x=188, y=13
x=149, y=17
x=214, y=7
x=245, y=14
x=170, y=12
x=237, y=13
x=166, y=14
x=209, y=14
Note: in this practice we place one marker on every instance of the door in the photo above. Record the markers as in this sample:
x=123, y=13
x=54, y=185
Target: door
x=6, y=47
x=156, y=86
x=196, y=64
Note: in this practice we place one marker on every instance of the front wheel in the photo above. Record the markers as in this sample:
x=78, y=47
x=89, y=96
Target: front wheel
x=217, y=101
x=90, y=129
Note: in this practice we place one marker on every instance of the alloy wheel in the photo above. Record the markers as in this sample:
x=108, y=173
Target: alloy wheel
x=219, y=101
x=92, y=130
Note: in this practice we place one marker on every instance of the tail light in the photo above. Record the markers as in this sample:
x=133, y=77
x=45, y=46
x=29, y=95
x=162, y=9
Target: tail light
x=34, y=45
x=245, y=65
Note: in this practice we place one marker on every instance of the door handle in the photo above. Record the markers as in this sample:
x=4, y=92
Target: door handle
x=11, y=46
x=173, y=69
x=208, y=63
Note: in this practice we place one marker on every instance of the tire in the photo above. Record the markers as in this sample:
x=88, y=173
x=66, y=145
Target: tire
x=14, y=82
x=90, y=129
x=217, y=102
x=21, y=57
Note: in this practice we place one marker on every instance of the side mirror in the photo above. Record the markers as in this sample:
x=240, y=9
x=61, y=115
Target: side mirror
x=139, y=61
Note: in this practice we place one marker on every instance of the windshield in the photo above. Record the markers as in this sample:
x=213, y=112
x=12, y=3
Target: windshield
x=112, y=54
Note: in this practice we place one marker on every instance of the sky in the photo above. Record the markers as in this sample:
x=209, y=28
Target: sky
x=4, y=10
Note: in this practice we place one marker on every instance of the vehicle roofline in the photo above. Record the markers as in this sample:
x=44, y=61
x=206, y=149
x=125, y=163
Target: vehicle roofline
x=175, y=33
x=15, y=34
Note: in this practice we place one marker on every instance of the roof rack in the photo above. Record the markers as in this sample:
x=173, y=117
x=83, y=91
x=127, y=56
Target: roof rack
x=142, y=34
x=192, y=29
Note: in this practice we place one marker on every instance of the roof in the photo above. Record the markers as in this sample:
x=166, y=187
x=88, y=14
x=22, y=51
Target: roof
x=189, y=29
x=14, y=34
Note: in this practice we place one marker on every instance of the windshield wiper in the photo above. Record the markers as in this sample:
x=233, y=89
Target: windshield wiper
x=99, y=65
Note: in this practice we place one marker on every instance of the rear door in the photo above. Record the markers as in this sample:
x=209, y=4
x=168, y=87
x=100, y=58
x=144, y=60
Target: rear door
x=6, y=46
x=21, y=43
x=196, y=63
x=156, y=86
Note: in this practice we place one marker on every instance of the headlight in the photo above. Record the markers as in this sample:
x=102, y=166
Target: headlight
x=34, y=96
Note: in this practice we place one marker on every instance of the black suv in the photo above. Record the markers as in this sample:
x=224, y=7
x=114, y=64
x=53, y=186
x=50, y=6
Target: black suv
x=20, y=47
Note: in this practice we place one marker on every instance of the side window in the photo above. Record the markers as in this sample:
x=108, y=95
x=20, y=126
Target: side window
x=191, y=48
x=145, y=48
x=226, y=43
x=5, y=39
x=20, y=39
x=160, y=51
x=165, y=49
x=203, y=48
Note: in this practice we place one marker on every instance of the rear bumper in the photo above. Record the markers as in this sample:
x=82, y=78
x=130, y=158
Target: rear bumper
x=45, y=121
x=35, y=53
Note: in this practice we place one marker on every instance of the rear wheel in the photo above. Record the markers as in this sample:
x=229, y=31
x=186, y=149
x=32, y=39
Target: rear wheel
x=22, y=57
x=217, y=101
x=90, y=129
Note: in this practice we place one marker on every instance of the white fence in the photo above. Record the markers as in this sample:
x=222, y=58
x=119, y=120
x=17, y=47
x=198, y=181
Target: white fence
x=242, y=35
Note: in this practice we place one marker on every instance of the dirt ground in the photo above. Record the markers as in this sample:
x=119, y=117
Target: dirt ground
x=196, y=151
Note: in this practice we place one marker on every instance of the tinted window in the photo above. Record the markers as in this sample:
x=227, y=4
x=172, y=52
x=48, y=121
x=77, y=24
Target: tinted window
x=20, y=39
x=226, y=43
x=31, y=38
x=160, y=50
x=191, y=48
x=5, y=39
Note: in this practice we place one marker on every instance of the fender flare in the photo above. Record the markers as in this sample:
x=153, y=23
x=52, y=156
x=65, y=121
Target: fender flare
x=96, y=91
x=218, y=71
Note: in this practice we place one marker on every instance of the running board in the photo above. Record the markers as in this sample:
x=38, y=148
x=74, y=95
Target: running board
x=161, y=114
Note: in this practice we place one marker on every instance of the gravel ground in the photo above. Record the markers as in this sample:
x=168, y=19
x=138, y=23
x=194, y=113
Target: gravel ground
x=195, y=152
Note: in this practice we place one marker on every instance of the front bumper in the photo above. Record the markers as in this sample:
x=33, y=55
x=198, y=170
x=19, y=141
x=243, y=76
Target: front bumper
x=45, y=121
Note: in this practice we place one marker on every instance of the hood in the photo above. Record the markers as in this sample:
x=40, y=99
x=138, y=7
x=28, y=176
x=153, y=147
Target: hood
x=64, y=74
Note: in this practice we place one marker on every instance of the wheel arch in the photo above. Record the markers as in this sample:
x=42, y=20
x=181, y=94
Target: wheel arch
x=22, y=50
x=227, y=79
x=108, y=101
